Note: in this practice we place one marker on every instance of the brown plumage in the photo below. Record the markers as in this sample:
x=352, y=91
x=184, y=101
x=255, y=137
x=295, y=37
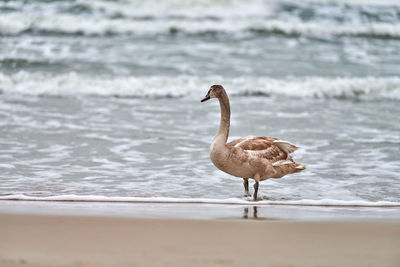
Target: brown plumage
x=250, y=157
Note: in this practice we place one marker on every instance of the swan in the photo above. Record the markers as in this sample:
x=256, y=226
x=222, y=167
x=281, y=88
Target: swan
x=250, y=157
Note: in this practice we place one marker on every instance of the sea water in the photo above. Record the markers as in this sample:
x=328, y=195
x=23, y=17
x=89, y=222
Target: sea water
x=100, y=100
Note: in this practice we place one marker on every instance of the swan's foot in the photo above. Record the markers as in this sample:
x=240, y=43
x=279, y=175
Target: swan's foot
x=255, y=191
x=246, y=187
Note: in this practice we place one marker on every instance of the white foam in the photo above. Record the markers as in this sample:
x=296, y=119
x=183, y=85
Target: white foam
x=73, y=84
x=227, y=201
x=18, y=22
x=357, y=2
x=170, y=8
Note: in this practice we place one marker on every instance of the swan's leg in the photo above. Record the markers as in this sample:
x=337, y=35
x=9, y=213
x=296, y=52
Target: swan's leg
x=246, y=187
x=257, y=179
x=255, y=190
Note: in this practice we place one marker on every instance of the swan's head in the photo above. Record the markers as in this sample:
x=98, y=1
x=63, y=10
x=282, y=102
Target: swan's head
x=214, y=92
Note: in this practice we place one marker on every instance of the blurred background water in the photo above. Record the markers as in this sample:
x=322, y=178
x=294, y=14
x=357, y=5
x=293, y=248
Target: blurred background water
x=102, y=98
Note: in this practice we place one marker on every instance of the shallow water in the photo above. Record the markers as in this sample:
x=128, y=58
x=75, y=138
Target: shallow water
x=159, y=147
x=201, y=211
x=102, y=98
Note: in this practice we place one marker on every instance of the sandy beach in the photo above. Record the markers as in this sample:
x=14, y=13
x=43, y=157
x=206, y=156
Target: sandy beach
x=110, y=158
x=38, y=240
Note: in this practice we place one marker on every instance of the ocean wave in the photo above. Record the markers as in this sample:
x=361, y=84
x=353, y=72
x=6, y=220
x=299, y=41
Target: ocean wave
x=352, y=10
x=22, y=62
x=18, y=23
x=179, y=8
x=73, y=84
x=227, y=201
x=356, y=2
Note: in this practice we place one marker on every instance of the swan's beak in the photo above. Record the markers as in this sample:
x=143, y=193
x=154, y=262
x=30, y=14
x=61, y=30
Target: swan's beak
x=206, y=98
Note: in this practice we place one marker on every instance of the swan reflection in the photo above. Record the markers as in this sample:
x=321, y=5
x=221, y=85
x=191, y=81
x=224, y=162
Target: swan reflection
x=246, y=213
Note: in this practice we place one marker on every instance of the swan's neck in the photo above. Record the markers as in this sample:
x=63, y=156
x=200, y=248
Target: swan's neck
x=223, y=130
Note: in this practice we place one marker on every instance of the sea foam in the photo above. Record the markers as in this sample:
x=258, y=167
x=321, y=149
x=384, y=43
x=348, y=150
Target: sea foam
x=73, y=84
x=19, y=22
x=227, y=201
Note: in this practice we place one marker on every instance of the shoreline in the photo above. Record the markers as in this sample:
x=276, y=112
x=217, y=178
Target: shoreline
x=228, y=201
x=49, y=240
x=200, y=211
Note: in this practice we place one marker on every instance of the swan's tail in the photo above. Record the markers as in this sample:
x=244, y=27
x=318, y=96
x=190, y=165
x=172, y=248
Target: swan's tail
x=299, y=167
x=289, y=165
x=285, y=167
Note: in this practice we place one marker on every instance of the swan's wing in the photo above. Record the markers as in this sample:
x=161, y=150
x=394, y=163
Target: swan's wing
x=286, y=146
x=265, y=147
x=252, y=142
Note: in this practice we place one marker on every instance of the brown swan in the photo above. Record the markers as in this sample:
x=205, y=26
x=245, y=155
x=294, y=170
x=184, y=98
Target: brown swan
x=250, y=157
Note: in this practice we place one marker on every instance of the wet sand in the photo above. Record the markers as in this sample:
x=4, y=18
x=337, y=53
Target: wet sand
x=38, y=240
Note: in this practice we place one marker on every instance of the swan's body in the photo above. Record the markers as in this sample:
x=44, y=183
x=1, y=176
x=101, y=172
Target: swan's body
x=258, y=158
